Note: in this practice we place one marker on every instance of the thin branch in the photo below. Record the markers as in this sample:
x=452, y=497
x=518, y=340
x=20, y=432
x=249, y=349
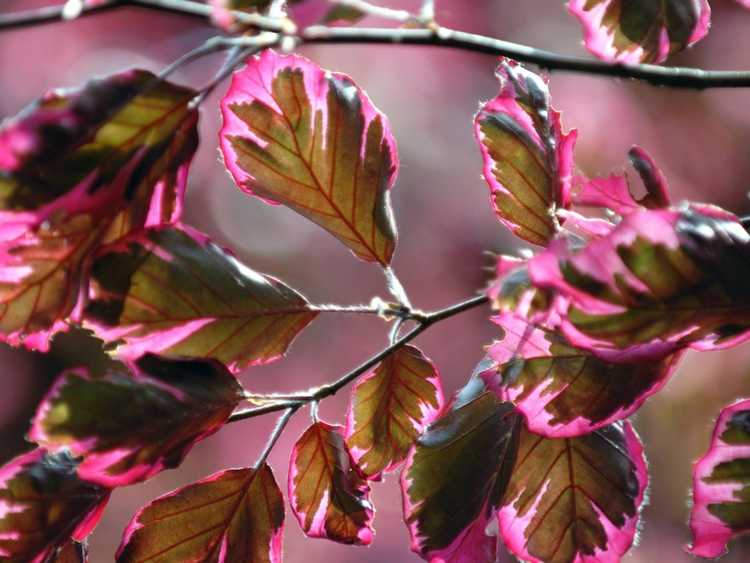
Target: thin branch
x=371, y=9
x=332, y=388
x=276, y=434
x=677, y=77
x=427, y=13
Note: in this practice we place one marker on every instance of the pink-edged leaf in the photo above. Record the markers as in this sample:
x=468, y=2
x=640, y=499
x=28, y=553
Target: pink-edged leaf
x=43, y=504
x=171, y=291
x=661, y=280
x=575, y=499
x=328, y=494
x=720, y=484
x=614, y=193
x=564, y=391
x=528, y=160
x=79, y=168
x=235, y=515
x=128, y=427
x=390, y=406
x=635, y=31
x=455, y=478
x=312, y=140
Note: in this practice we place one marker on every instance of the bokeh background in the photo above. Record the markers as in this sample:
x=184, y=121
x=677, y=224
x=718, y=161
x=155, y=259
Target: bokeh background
x=700, y=139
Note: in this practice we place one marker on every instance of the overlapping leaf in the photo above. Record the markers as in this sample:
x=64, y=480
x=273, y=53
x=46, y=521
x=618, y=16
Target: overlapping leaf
x=633, y=31
x=312, y=140
x=172, y=291
x=721, y=484
x=390, y=406
x=234, y=515
x=575, y=499
x=128, y=427
x=661, y=280
x=329, y=496
x=43, y=504
x=528, y=160
x=79, y=168
x=564, y=391
x=455, y=479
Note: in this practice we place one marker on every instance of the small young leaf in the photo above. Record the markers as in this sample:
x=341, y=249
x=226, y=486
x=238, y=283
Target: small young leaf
x=720, y=484
x=564, y=391
x=528, y=160
x=575, y=499
x=634, y=31
x=310, y=139
x=390, y=406
x=173, y=292
x=129, y=427
x=660, y=281
x=329, y=497
x=456, y=476
x=234, y=515
x=43, y=504
x=79, y=168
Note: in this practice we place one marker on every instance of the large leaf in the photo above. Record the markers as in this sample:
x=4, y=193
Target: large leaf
x=172, y=291
x=390, y=406
x=528, y=160
x=310, y=139
x=78, y=168
x=128, y=427
x=575, y=499
x=564, y=391
x=43, y=504
x=235, y=515
x=329, y=497
x=721, y=484
x=633, y=31
x=455, y=478
x=661, y=280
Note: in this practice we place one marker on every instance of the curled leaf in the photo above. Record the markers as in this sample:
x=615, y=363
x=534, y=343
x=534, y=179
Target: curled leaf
x=312, y=140
x=173, y=292
x=128, y=427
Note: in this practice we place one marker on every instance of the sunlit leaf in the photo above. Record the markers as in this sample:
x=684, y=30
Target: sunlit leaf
x=128, y=427
x=390, y=406
x=455, y=478
x=236, y=515
x=528, y=159
x=575, y=499
x=79, y=168
x=721, y=484
x=310, y=139
x=172, y=291
x=661, y=280
x=329, y=497
x=43, y=504
x=564, y=391
x=633, y=31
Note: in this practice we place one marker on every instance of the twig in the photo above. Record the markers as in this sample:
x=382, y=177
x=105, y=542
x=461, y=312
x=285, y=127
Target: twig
x=332, y=388
x=192, y=8
x=427, y=13
x=395, y=287
x=371, y=9
x=276, y=434
x=678, y=77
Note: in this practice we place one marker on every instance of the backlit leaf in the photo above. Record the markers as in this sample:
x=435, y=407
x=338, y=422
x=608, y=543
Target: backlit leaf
x=721, y=484
x=236, y=515
x=528, y=159
x=661, y=280
x=575, y=499
x=564, y=391
x=329, y=497
x=310, y=139
x=43, y=504
x=390, y=406
x=79, y=168
x=128, y=427
x=633, y=31
x=172, y=291
x=456, y=476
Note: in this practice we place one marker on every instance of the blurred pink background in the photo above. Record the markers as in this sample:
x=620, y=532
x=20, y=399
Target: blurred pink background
x=701, y=140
